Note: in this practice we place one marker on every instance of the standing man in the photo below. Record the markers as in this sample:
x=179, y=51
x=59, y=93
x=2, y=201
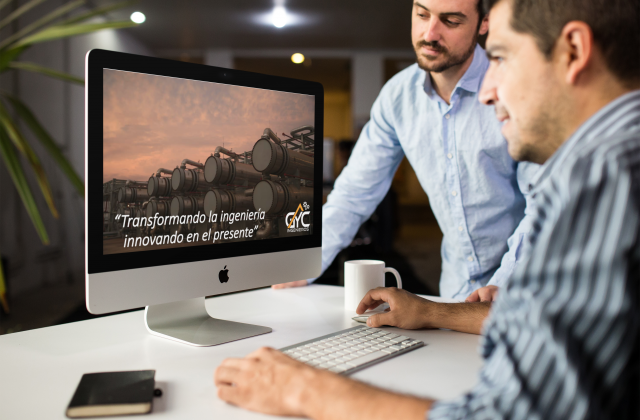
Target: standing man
x=563, y=338
x=430, y=113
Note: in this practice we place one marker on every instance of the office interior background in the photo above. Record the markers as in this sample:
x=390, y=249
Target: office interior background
x=351, y=47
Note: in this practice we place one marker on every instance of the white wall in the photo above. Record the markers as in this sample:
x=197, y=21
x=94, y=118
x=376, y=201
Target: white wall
x=60, y=108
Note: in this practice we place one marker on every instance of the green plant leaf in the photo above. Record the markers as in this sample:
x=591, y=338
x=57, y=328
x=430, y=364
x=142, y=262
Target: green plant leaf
x=97, y=12
x=47, y=141
x=46, y=70
x=6, y=57
x=56, y=32
x=60, y=11
x=17, y=174
x=4, y=3
x=19, y=12
x=23, y=146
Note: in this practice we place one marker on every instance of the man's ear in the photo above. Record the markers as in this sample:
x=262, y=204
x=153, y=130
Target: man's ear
x=574, y=50
x=484, y=25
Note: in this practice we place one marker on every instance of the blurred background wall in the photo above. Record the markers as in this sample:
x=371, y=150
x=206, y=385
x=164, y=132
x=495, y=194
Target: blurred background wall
x=351, y=47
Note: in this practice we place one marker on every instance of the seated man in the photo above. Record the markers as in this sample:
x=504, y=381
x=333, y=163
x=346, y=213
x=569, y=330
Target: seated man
x=563, y=337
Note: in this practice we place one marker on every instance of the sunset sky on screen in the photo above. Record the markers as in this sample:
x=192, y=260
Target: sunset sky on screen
x=153, y=122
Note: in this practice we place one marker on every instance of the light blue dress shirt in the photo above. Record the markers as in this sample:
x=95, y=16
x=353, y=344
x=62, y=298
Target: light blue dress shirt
x=462, y=163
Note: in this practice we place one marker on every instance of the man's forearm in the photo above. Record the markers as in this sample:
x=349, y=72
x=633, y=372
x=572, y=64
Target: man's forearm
x=463, y=317
x=333, y=397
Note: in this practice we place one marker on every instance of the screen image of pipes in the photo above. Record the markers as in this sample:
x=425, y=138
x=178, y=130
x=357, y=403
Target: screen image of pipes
x=186, y=159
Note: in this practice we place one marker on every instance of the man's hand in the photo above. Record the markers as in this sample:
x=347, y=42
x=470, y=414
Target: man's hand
x=411, y=312
x=266, y=381
x=484, y=294
x=270, y=382
x=406, y=310
x=297, y=283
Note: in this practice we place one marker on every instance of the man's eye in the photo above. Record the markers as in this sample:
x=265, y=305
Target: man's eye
x=452, y=23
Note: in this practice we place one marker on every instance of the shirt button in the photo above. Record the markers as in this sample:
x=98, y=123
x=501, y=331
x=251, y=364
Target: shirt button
x=454, y=193
x=449, y=155
x=447, y=116
x=472, y=281
x=460, y=228
x=470, y=258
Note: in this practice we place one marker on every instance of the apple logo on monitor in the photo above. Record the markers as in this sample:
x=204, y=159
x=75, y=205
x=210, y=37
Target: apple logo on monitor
x=223, y=275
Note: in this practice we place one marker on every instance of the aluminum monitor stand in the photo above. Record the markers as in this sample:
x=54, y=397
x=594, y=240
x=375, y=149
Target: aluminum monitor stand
x=187, y=321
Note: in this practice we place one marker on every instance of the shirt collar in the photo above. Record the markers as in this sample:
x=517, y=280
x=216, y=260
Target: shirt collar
x=470, y=81
x=616, y=116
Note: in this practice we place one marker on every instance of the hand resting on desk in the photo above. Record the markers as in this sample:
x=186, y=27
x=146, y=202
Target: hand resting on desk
x=297, y=283
x=271, y=382
x=412, y=312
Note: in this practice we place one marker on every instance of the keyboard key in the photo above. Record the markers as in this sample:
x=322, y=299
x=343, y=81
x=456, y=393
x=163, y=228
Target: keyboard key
x=366, y=359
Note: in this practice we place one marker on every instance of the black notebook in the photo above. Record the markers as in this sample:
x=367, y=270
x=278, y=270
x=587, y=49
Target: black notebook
x=113, y=394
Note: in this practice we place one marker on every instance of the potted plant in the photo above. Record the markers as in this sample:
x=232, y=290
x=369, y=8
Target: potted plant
x=55, y=25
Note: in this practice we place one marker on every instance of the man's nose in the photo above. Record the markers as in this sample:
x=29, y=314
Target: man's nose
x=433, y=30
x=489, y=92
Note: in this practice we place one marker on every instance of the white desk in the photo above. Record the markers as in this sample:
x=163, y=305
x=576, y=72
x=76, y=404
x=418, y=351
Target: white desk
x=40, y=369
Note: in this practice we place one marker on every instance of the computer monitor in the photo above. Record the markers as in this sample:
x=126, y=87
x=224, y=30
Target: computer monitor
x=200, y=181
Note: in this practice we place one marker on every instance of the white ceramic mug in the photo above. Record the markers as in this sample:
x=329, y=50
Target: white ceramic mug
x=360, y=276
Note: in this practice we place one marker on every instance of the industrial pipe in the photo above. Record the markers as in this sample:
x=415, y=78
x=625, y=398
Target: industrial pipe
x=132, y=195
x=163, y=171
x=189, y=180
x=186, y=205
x=269, y=134
x=299, y=130
x=135, y=184
x=277, y=198
x=219, y=200
x=226, y=171
x=271, y=158
x=158, y=206
x=227, y=152
x=192, y=163
x=159, y=186
x=267, y=231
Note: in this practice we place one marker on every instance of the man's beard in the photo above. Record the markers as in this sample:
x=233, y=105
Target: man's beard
x=538, y=138
x=450, y=60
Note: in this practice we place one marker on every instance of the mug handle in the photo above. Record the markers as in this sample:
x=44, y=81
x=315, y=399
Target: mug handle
x=396, y=274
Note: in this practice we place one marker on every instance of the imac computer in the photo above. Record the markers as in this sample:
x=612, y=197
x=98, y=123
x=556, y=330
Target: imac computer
x=200, y=181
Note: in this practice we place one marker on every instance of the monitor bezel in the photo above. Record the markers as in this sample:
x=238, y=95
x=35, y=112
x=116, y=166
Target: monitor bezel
x=96, y=61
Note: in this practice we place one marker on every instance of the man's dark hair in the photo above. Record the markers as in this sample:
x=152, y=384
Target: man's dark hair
x=615, y=25
x=481, y=12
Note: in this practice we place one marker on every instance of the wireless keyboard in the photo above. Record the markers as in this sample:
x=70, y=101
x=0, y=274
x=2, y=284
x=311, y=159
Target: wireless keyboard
x=350, y=350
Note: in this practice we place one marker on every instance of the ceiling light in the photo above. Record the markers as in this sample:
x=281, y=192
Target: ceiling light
x=297, y=58
x=279, y=16
x=138, y=17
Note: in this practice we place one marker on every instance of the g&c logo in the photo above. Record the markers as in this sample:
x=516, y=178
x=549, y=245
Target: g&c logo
x=298, y=221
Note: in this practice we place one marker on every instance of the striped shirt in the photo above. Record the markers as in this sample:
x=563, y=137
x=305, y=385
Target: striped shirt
x=562, y=339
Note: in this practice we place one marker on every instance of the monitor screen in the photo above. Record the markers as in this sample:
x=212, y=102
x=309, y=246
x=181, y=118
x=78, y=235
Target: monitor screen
x=196, y=163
